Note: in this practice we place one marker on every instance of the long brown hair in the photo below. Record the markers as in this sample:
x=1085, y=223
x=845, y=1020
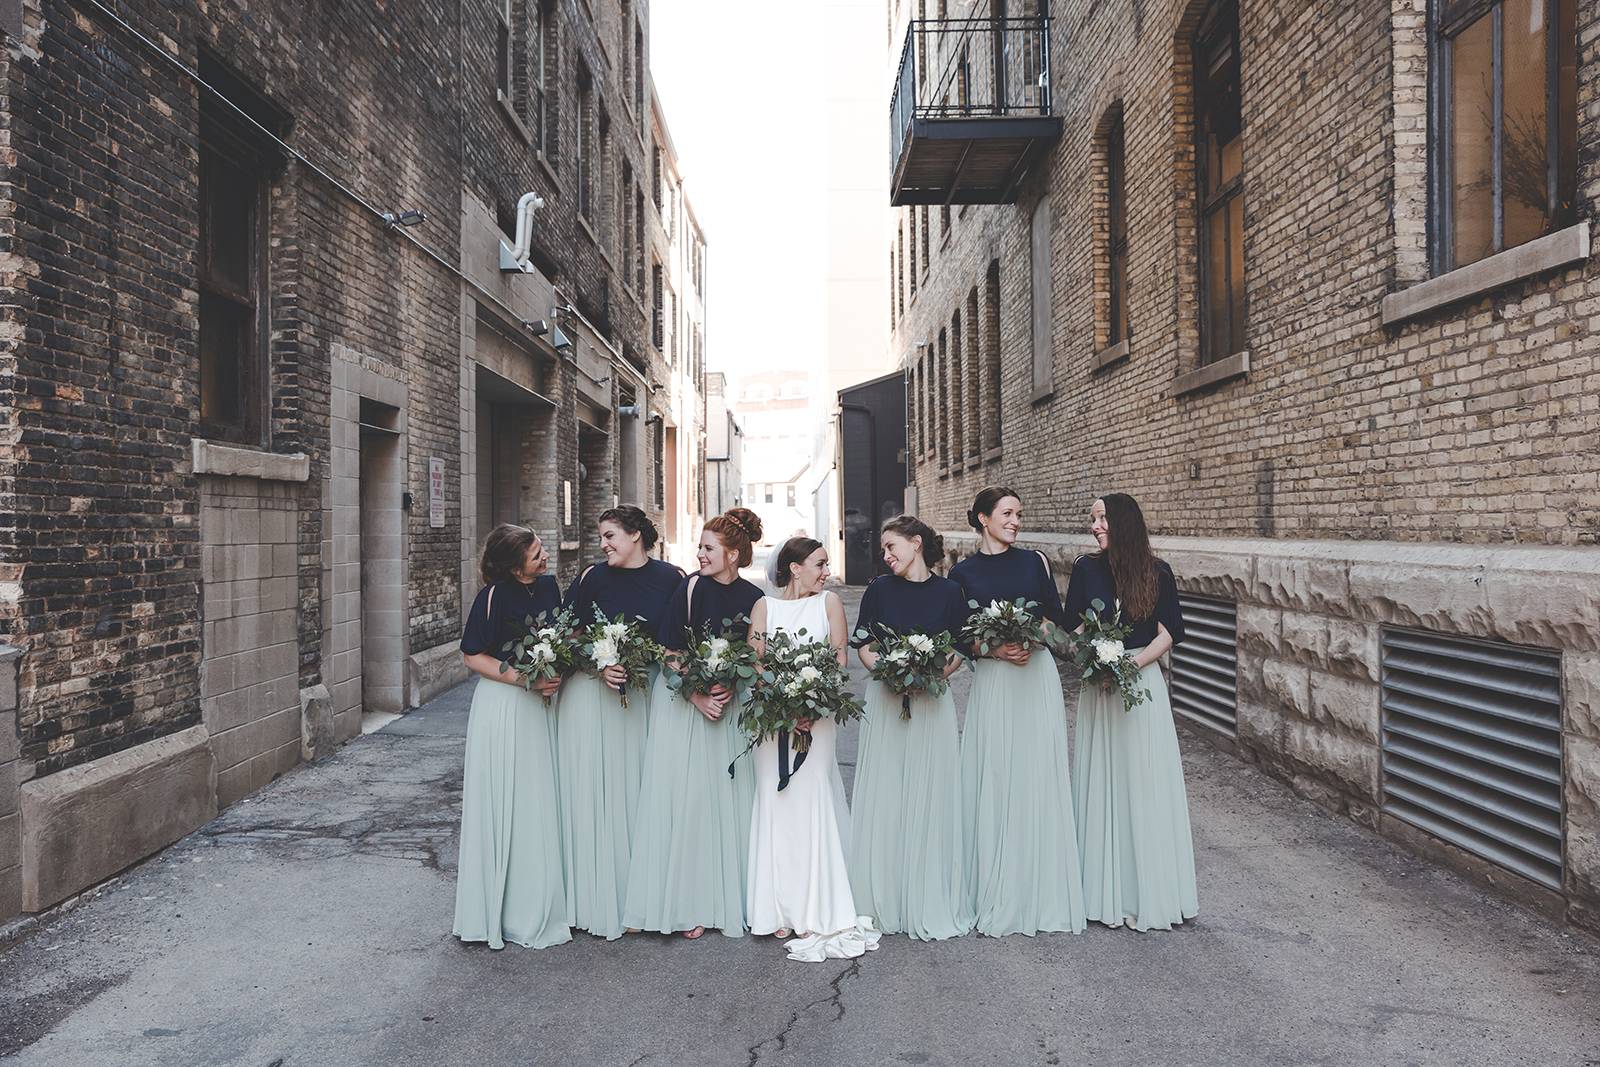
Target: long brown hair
x=1128, y=555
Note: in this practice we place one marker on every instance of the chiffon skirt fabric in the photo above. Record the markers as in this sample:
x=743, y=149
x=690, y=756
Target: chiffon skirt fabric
x=1023, y=874
x=907, y=864
x=691, y=837
x=600, y=754
x=509, y=882
x=1133, y=814
x=799, y=838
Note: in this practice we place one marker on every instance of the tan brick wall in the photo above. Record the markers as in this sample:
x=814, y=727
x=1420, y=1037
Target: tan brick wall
x=1476, y=423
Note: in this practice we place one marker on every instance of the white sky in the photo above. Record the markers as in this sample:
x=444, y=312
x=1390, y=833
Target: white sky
x=746, y=86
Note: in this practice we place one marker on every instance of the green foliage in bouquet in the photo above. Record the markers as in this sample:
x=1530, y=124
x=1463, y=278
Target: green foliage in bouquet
x=1099, y=651
x=798, y=679
x=712, y=660
x=910, y=662
x=619, y=643
x=545, y=650
x=1003, y=622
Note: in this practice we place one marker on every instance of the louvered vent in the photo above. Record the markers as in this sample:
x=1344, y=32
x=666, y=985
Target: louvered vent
x=1205, y=667
x=1472, y=746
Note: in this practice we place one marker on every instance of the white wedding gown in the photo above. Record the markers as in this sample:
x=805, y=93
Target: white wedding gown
x=798, y=876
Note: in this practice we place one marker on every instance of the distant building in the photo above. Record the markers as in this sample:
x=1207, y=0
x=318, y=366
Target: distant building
x=724, y=449
x=775, y=409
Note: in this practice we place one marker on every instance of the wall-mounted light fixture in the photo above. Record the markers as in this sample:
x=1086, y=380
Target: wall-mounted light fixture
x=395, y=220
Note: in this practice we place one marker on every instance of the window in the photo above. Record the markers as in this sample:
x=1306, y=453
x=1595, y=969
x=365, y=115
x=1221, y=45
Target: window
x=503, y=48
x=549, y=37
x=931, y=431
x=943, y=407
x=235, y=163
x=958, y=407
x=971, y=374
x=583, y=145
x=639, y=237
x=608, y=186
x=914, y=431
x=1504, y=139
x=638, y=70
x=944, y=223
x=911, y=224
x=900, y=269
x=791, y=495
x=672, y=328
x=922, y=41
x=923, y=220
x=1220, y=159
x=655, y=176
x=991, y=357
x=1043, y=293
x=630, y=235
x=657, y=308
x=768, y=488
x=1117, y=235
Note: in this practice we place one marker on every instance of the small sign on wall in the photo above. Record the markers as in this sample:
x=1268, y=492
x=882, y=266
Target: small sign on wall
x=566, y=491
x=435, y=492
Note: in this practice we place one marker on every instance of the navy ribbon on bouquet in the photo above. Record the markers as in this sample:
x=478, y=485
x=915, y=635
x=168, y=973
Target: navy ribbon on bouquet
x=785, y=769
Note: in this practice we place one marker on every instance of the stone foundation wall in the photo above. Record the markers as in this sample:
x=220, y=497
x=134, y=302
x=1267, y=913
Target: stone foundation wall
x=1310, y=615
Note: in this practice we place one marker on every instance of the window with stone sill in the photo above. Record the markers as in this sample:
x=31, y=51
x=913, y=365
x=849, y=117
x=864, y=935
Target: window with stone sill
x=1219, y=144
x=583, y=147
x=1503, y=135
x=235, y=166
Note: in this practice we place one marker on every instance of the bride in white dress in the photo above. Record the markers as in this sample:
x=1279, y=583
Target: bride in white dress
x=798, y=880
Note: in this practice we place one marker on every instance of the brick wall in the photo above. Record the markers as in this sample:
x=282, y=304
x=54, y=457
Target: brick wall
x=1435, y=430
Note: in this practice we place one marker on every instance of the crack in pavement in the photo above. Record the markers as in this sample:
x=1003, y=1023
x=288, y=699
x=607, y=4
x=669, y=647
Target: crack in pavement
x=836, y=999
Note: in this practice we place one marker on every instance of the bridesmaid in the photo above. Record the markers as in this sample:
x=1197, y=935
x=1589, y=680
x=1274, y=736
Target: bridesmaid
x=907, y=867
x=600, y=743
x=692, y=839
x=1023, y=875
x=1133, y=816
x=509, y=883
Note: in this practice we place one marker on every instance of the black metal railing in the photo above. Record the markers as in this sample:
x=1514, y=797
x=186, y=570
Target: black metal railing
x=970, y=69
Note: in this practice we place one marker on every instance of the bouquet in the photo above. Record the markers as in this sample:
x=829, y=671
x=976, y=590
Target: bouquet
x=1100, y=653
x=910, y=661
x=797, y=680
x=712, y=660
x=1003, y=622
x=545, y=651
x=619, y=643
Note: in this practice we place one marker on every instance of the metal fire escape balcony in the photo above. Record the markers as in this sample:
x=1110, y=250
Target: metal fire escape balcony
x=971, y=111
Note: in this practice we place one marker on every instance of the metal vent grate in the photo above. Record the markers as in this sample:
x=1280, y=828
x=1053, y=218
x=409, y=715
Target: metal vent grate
x=1205, y=668
x=1472, y=747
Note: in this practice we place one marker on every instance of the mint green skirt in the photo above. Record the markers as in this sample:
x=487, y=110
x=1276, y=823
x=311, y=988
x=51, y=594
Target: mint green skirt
x=599, y=754
x=510, y=884
x=1023, y=874
x=691, y=840
x=907, y=865
x=1133, y=813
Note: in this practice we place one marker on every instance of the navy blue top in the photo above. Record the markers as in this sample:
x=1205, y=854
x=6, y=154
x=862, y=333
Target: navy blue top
x=930, y=607
x=632, y=592
x=490, y=626
x=713, y=602
x=1009, y=575
x=1091, y=580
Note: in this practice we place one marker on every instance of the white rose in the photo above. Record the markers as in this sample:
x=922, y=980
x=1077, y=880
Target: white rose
x=994, y=610
x=542, y=653
x=605, y=653
x=804, y=657
x=548, y=634
x=1107, y=652
x=719, y=646
x=809, y=674
x=616, y=630
x=793, y=688
x=896, y=656
x=714, y=663
x=920, y=642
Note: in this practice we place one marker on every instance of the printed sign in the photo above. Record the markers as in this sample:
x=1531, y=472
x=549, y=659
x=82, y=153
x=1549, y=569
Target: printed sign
x=435, y=491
